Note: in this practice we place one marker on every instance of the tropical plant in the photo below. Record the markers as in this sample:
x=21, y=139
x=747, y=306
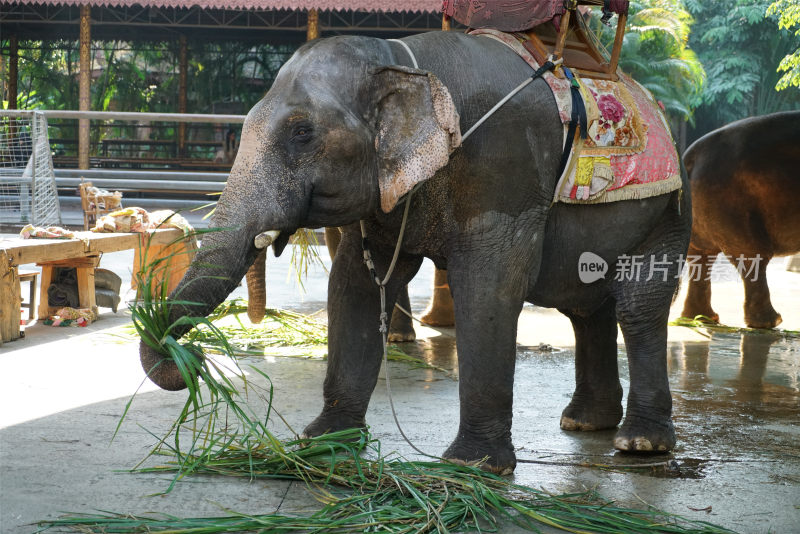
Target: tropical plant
x=789, y=13
x=655, y=52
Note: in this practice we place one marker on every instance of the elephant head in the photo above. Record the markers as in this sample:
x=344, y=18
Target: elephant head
x=343, y=132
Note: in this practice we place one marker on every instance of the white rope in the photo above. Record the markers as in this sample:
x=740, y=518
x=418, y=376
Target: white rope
x=408, y=49
x=384, y=328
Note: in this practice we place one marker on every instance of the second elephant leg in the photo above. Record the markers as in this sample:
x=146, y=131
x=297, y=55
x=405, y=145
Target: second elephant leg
x=401, y=327
x=597, y=401
x=355, y=344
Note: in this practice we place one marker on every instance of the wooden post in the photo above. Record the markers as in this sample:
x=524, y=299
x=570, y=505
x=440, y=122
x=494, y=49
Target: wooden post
x=183, y=68
x=312, y=32
x=558, y=51
x=445, y=23
x=615, y=52
x=10, y=301
x=13, y=71
x=85, y=80
x=162, y=264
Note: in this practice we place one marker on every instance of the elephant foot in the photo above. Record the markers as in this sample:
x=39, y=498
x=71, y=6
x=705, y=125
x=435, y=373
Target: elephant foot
x=639, y=435
x=401, y=328
x=494, y=456
x=401, y=337
x=763, y=319
x=440, y=312
x=590, y=416
x=325, y=423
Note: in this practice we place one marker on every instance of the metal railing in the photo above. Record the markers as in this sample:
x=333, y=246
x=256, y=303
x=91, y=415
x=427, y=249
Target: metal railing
x=116, y=139
x=128, y=116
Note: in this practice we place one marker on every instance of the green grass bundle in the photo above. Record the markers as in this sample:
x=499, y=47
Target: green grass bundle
x=359, y=488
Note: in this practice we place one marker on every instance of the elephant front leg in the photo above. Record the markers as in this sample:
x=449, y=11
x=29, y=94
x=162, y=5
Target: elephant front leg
x=355, y=344
x=698, y=295
x=487, y=306
x=597, y=401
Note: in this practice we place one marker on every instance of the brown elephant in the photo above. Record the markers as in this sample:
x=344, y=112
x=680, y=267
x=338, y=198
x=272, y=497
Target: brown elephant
x=745, y=180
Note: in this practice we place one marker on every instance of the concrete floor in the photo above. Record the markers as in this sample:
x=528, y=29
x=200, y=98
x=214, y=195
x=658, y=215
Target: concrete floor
x=736, y=405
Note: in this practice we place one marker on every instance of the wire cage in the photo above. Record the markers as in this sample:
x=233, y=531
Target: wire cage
x=28, y=191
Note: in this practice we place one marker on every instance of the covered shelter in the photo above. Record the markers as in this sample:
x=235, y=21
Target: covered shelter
x=253, y=21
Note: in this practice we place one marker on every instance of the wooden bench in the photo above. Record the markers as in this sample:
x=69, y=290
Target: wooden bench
x=83, y=253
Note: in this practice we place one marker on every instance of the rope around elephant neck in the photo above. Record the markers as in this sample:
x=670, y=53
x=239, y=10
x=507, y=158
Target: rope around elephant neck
x=384, y=328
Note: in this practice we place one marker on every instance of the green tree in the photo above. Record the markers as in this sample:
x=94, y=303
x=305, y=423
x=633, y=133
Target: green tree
x=739, y=49
x=789, y=17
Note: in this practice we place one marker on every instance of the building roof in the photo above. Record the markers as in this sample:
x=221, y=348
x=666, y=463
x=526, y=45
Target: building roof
x=385, y=6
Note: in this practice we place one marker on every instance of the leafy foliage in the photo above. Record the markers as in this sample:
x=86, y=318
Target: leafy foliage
x=136, y=77
x=738, y=47
x=789, y=11
x=655, y=53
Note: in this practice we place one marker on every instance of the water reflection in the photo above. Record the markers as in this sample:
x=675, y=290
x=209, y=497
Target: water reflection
x=736, y=394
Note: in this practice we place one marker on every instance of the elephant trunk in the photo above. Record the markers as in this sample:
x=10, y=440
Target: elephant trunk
x=257, y=288
x=217, y=269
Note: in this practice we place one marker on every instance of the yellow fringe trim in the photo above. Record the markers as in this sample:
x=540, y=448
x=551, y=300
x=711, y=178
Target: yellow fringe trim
x=631, y=192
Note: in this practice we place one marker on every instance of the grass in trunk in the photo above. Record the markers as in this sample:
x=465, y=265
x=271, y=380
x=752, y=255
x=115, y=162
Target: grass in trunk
x=359, y=488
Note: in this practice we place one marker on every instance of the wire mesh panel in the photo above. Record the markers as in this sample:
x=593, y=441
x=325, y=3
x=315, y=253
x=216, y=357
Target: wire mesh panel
x=27, y=182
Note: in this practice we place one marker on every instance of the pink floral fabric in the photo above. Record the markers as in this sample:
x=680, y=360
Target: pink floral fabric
x=630, y=152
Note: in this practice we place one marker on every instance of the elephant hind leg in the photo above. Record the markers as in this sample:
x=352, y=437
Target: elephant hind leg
x=401, y=327
x=597, y=401
x=642, y=314
x=758, y=310
x=698, y=295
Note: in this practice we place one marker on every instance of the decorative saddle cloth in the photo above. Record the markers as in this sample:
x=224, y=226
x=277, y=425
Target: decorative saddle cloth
x=628, y=153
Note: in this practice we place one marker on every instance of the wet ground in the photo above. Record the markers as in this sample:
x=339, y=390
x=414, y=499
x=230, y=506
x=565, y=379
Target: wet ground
x=736, y=411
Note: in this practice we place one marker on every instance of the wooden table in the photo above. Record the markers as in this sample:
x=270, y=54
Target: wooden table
x=83, y=253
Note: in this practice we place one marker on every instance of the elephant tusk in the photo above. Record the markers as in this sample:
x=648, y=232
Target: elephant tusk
x=265, y=239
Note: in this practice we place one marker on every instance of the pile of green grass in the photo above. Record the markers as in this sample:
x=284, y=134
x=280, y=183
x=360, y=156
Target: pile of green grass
x=360, y=489
x=701, y=323
x=380, y=494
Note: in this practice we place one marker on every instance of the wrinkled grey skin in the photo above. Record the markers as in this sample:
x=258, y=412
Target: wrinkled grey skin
x=308, y=158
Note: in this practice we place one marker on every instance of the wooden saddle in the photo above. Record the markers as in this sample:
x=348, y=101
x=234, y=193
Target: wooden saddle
x=553, y=29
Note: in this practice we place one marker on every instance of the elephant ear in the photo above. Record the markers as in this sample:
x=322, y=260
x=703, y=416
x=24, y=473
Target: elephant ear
x=417, y=129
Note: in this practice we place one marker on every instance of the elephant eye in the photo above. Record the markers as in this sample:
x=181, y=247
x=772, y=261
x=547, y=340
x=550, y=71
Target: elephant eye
x=301, y=134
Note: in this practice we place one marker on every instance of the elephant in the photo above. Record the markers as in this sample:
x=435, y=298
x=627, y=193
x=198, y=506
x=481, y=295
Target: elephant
x=745, y=185
x=352, y=135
